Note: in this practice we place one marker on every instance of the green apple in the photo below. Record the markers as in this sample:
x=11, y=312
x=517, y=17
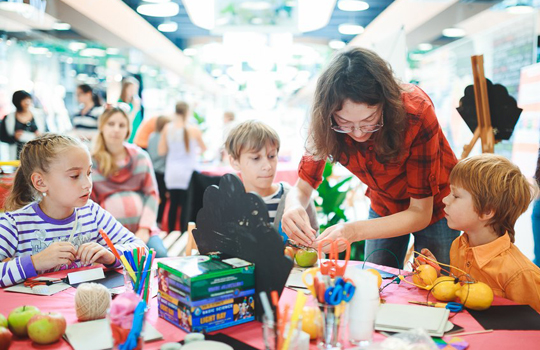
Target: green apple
x=3, y=321
x=46, y=328
x=306, y=257
x=19, y=317
x=5, y=338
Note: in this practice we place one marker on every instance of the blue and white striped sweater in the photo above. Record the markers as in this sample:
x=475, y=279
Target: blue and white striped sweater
x=28, y=231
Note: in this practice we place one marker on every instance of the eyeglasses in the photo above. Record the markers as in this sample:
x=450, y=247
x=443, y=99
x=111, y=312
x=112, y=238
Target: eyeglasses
x=364, y=128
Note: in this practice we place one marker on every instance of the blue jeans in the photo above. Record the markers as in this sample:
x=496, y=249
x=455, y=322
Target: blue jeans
x=157, y=244
x=536, y=231
x=437, y=237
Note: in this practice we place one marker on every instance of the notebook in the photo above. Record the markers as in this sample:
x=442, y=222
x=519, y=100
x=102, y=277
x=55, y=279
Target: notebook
x=96, y=335
x=402, y=317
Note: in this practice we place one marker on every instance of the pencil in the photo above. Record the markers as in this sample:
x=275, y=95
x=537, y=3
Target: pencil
x=473, y=332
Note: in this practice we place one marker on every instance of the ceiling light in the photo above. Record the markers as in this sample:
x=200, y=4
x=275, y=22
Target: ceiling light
x=201, y=12
x=19, y=7
x=190, y=52
x=336, y=44
x=453, y=32
x=168, y=27
x=425, y=46
x=166, y=9
x=38, y=50
x=350, y=29
x=416, y=56
x=352, y=5
x=113, y=51
x=520, y=9
x=61, y=26
x=92, y=52
x=314, y=14
x=76, y=46
x=255, y=5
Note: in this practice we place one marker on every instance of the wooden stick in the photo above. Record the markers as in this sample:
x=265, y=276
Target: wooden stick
x=469, y=333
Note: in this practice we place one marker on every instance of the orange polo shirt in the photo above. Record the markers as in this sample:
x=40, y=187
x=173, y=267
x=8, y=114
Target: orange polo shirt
x=502, y=266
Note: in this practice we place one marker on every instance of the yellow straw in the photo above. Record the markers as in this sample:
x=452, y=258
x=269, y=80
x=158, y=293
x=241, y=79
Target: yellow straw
x=298, y=307
x=128, y=268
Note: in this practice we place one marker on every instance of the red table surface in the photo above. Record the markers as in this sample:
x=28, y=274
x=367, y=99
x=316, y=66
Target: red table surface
x=251, y=333
x=286, y=172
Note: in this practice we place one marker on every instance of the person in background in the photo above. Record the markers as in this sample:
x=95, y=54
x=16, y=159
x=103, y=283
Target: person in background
x=147, y=127
x=23, y=125
x=536, y=216
x=488, y=194
x=85, y=123
x=158, y=162
x=50, y=223
x=228, y=125
x=130, y=95
x=178, y=143
x=124, y=180
x=253, y=149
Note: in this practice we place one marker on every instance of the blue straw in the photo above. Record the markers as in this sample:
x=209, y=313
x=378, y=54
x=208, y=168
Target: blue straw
x=147, y=266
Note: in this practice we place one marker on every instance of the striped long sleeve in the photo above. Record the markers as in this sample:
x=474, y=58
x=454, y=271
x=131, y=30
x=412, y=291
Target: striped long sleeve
x=28, y=231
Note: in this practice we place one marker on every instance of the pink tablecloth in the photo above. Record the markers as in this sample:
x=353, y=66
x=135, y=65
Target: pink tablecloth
x=286, y=172
x=251, y=332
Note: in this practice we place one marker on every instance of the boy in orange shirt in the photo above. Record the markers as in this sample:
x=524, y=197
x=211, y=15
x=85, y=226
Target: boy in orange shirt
x=488, y=194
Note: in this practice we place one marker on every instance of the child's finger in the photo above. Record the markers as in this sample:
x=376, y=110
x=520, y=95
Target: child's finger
x=98, y=255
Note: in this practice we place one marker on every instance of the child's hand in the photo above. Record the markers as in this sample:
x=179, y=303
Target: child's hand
x=92, y=252
x=431, y=260
x=58, y=253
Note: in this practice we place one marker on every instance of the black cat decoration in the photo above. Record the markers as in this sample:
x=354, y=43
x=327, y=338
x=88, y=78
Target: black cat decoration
x=235, y=223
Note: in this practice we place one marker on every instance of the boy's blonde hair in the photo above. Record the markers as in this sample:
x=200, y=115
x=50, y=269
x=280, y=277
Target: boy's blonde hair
x=37, y=155
x=251, y=135
x=495, y=184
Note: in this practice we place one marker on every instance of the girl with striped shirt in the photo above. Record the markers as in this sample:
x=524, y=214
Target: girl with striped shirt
x=51, y=224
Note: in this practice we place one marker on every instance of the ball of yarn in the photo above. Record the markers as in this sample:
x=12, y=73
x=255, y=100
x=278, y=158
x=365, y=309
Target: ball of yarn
x=92, y=301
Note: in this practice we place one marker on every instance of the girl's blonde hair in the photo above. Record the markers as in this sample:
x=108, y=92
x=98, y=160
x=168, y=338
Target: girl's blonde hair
x=495, y=183
x=37, y=155
x=182, y=109
x=104, y=159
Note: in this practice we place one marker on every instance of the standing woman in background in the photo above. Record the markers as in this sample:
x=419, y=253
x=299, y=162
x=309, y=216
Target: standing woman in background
x=130, y=95
x=387, y=134
x=85, y=123
x=179, y=142
x=21, y=126
x=124, y=181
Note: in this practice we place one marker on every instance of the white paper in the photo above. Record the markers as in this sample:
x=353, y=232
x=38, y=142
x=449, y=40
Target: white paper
x=400, y=317
x=82, y=336
x=85, y=275
x=39, y=290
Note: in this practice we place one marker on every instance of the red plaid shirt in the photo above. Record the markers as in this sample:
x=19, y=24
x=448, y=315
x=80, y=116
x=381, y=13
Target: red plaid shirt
x=422, y=170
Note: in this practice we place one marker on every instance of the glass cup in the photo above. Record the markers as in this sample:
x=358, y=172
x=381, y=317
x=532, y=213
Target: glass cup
x=275, y=335
x=145, y=277
x=334, y=317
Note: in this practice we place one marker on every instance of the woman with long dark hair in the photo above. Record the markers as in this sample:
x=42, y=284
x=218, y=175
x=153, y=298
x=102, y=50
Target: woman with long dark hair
x=387, y=134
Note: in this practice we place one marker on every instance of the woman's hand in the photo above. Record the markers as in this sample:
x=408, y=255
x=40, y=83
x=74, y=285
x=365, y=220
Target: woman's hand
x=335, y=232
x=295, y=224
x=57, y=254
x=92, y=252
x=143, y=234
x=18, y=134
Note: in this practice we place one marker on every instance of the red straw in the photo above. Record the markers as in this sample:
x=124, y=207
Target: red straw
x=110, y=244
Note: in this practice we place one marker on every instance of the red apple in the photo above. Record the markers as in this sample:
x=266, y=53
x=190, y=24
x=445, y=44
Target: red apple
x=19, y=317
x=5, y=338
x=46, y=328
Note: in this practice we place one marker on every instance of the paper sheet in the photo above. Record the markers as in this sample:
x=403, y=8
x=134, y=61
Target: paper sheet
x=82, y=336
x=39, y=290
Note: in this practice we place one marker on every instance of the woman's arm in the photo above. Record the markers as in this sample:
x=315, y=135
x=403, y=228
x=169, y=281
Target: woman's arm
x=415, y=218
x=163, y=148
x=197, y=133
